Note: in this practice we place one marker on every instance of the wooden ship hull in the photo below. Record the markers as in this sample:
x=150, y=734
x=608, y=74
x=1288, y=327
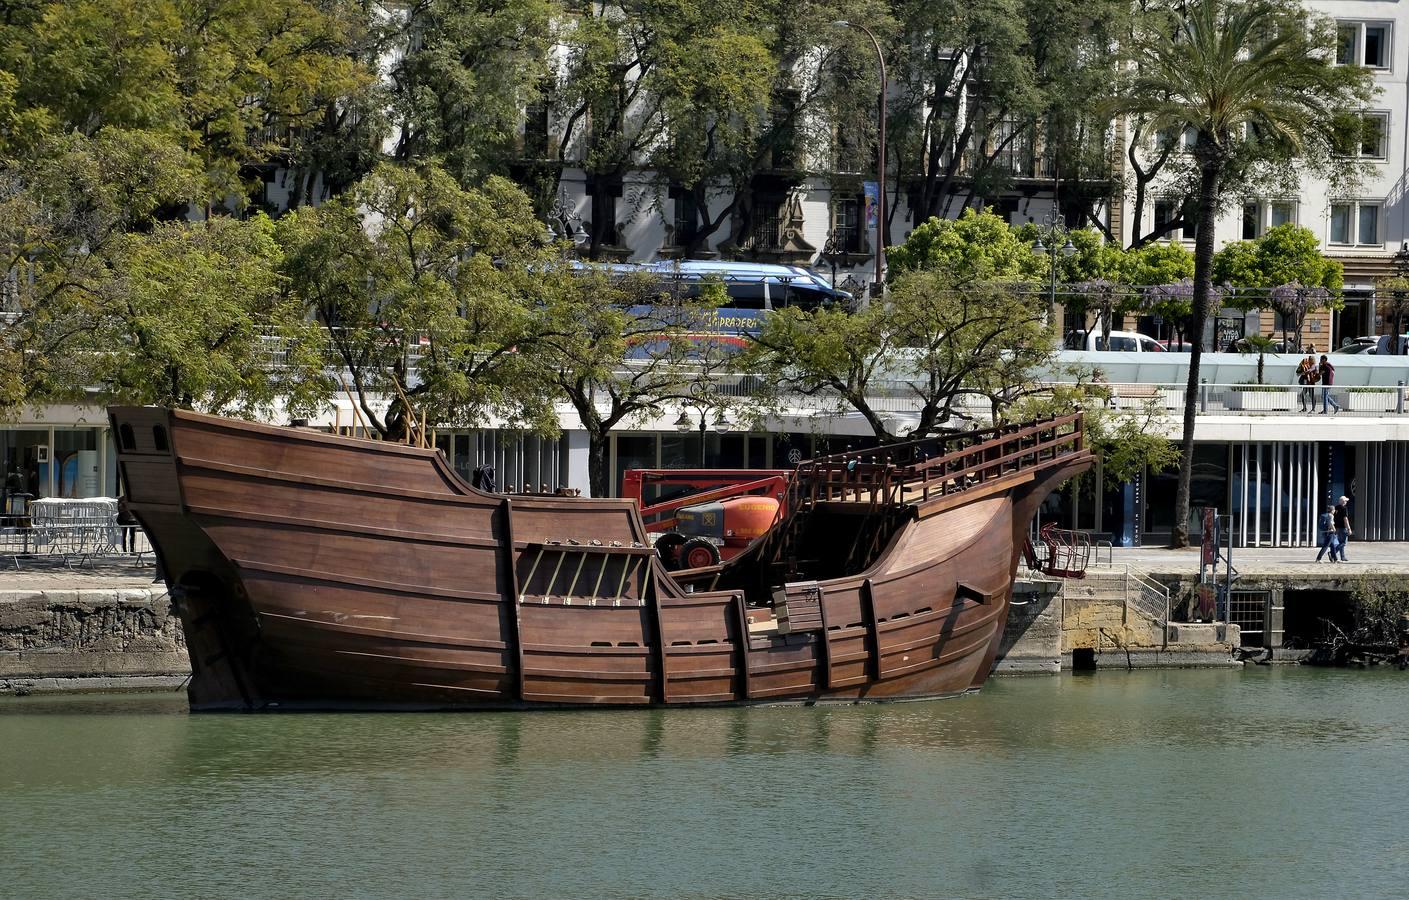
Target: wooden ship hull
x=313, y=571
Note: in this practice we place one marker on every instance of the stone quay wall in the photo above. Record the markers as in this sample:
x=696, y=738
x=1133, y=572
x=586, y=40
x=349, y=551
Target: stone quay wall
x=89, y=639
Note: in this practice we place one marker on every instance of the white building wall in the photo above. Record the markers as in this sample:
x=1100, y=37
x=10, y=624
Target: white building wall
x=1384, y=184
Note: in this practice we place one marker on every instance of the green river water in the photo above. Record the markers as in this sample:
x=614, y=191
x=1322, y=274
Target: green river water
x=1264, y=782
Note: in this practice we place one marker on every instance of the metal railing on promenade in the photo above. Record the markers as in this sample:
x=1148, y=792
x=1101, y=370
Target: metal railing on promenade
x=1255, y=399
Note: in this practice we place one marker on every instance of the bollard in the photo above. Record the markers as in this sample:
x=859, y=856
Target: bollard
x=1399, y=399
x=1203, y=395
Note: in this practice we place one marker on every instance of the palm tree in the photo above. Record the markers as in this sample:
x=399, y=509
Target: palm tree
x=1229, y=69
x=1259, y=344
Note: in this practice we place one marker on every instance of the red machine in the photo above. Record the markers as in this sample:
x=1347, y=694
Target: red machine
x=703, y=516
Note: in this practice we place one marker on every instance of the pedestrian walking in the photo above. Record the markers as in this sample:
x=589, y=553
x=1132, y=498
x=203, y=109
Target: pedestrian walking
x=1341, y=518
x=1326, y=523
x=1328, y=378
x=1307, y=374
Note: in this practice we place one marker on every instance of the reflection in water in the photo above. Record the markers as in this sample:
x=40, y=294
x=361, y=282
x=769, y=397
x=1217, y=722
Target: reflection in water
x=1270, y=782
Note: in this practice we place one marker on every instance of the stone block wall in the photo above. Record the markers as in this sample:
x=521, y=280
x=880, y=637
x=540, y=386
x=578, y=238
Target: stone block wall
x=88, y=634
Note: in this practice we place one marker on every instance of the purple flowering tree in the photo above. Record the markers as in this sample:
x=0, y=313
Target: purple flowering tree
x=1292, y=301
x=1175, y=303
x=1107, y=299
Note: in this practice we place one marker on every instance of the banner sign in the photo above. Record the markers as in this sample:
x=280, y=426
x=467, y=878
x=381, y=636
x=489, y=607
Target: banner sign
x=873, y=202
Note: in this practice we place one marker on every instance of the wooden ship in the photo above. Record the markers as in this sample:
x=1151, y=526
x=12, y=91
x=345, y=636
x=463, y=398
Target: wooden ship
x=316, y=571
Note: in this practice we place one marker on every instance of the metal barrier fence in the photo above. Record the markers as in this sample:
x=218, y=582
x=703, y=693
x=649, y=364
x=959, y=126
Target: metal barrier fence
x=71, y=543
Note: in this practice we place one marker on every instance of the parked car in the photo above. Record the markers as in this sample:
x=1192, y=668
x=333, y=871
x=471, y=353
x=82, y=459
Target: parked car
x=1382, y=347
x=1177, y=346
x=1358, y=346
x=1122, y=341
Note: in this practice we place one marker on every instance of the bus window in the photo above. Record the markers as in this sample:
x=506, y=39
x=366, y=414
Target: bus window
x=808, y=297
x=746, y=295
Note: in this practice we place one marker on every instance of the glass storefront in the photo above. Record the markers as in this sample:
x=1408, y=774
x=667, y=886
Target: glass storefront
x=521, y=462
x=54, y=462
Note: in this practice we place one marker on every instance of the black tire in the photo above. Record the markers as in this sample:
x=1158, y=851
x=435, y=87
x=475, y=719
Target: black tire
x=696, y=553
x=668, y=549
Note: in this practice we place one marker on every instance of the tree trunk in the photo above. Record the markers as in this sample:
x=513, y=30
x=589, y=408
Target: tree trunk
x=598, y=478
x=1203, y=270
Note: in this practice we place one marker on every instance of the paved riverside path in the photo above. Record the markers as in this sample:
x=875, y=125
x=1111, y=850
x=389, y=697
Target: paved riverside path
x=1390, y=557
x=49, y=577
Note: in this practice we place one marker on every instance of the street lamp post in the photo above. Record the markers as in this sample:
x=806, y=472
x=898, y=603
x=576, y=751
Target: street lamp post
x=830, y=251
x=684, y=425
x=568, y=222
x=1054, y=229
x=879, y=284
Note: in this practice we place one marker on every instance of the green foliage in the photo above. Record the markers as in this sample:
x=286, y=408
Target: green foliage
x=223, y=79
x=124, y=307
x=1156, y=264
x=1095, y=259
x=198, y=319
x=1284, y=255
x=64, y=217
x=934, y=342
x=1127, y=441
x=457, y=94
x=409, y=271
x=977, y=246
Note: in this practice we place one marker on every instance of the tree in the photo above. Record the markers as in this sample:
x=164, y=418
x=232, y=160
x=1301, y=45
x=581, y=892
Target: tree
x=1171, y=302
x=467, y=72
x=196, y=318
x=234, y=82
x=119, y=306
x=989, y=92
x=935, y=342
x=431, y=296
x=1127, y=442
x=1393, y=294
x=66, y=207
x=1284, y=270
x=644, y=81
x=1285, y=254
x=977, y=246
x=1109, y=300
x=1259, y=344
x=1256, y=82
x=622, y=348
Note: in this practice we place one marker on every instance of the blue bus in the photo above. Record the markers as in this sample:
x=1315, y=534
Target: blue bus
x=751, y=286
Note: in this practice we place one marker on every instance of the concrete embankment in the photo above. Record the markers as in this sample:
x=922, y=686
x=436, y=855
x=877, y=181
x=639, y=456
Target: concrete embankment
x=1282, y=601
x=75, y=631
x=1108, y=619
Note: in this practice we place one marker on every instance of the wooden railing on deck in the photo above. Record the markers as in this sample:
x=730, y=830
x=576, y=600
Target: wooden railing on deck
x=890, y=477
x=918, y=470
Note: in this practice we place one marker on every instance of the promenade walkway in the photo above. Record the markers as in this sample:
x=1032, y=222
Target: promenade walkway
x=1365, y=557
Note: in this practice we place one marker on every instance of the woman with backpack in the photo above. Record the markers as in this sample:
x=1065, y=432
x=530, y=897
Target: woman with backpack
x=1306, y=375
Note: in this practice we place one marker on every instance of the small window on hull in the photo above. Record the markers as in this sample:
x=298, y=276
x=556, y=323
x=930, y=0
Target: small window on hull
x=159, y=438
x=125, y=438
